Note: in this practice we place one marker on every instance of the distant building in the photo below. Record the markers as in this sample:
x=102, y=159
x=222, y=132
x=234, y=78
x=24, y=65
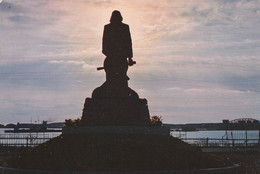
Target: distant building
x=225, y=121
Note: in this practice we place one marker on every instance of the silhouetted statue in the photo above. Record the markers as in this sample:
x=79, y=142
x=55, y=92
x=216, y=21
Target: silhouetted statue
x=117, y=46
x=114, y=103
x=117, y=41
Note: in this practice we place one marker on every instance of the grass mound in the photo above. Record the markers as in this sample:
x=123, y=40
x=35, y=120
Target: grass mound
x=114, y=153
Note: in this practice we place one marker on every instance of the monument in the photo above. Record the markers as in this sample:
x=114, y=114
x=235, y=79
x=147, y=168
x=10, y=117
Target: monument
x=114, y=103
x=114, y=133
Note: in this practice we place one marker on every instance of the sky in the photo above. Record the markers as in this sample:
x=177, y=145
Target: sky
x=197, y=60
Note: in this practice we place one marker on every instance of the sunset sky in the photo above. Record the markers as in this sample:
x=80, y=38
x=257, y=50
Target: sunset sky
x=197, y=60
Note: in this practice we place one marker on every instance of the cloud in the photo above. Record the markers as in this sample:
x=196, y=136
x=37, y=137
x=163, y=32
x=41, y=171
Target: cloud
x=83, y=64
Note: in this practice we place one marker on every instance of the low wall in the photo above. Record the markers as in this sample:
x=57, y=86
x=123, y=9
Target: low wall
x=129, y=130
x=235, y=169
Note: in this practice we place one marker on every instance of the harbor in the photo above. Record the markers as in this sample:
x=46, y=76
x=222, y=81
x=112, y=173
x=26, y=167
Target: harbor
x=198, y=139
x=234, y=133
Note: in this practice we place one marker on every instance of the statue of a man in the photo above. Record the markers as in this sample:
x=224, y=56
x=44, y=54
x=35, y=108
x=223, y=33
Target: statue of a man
x=117, y=46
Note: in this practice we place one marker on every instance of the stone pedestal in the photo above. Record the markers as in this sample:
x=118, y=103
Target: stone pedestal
x=115, y=111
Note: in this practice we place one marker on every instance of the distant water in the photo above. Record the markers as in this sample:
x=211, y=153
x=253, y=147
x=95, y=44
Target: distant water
x=217, y=134
x=193, y=134
x=34, y=134
x=24, y=139
x=219, y=138
x=226, y=137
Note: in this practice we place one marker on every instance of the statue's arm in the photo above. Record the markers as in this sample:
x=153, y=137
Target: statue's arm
x=105, y=41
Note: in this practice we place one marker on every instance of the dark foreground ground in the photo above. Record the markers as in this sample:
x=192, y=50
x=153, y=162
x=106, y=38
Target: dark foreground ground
x=151, y=153
x=247, y=158
x=104, y=152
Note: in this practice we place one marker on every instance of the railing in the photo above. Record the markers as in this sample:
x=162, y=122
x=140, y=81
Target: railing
x=36, y=139
x=24, y=139
x=216, y=142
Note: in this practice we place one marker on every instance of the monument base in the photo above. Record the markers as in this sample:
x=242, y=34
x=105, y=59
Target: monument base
x=88, y=152
x=120, y=130
x=115, y=111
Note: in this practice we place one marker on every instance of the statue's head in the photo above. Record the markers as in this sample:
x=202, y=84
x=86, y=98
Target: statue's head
x=116, y=17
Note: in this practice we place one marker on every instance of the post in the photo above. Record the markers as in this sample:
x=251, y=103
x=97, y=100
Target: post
x=246, y=138
x=259, y=137
x=233, y=142
x=27, y=141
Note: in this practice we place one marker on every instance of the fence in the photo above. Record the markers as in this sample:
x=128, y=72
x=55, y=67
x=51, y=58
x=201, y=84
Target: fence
x=36, y=139
x=24, y=139
x=213, y=142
